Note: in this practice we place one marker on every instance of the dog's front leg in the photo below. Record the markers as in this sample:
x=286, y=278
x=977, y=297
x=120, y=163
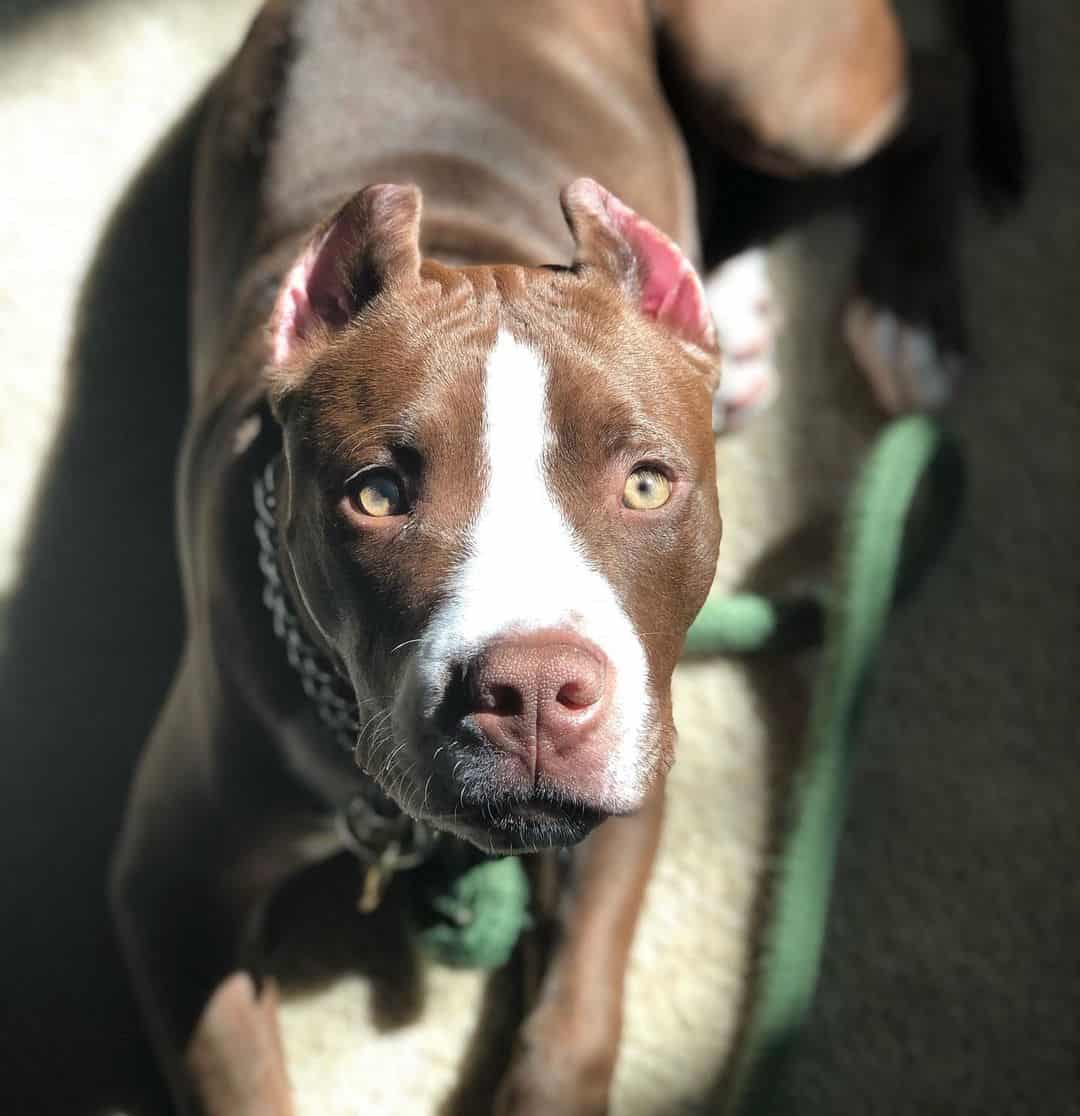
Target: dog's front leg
x=192, y=870
x=235, y=1056
x=568, y=1044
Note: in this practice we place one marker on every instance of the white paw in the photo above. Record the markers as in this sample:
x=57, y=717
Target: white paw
x=906, y=368
x=747, y=319
x=748, y=386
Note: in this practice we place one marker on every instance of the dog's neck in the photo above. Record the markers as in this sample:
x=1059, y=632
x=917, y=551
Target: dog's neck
x=472, y=215
x=458, y=239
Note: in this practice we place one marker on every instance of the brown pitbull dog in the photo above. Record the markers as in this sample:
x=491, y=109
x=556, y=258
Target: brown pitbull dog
x=471, y=431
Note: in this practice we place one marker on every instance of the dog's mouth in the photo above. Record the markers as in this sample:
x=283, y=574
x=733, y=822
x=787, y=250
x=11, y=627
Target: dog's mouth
x=520, y=826
x=482, y=800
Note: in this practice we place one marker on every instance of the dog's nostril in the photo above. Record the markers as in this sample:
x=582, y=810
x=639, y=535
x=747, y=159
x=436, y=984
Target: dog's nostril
x=578, y=694
x=505, y=701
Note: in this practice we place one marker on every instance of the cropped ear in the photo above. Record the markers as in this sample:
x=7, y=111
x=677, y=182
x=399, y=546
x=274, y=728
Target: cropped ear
x=646, y=264
x=371, y=243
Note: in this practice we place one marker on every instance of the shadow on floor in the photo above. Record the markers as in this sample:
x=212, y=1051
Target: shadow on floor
x=91, y=633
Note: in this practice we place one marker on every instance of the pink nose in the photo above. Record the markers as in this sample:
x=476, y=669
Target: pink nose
x=541, y=696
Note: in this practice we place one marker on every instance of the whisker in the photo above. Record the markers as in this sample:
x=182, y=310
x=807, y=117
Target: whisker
x=393, y=756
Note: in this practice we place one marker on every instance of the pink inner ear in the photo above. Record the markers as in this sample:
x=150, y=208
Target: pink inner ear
x=372, y=240
x=311, y=292
x=671, y=292
x=293, y=317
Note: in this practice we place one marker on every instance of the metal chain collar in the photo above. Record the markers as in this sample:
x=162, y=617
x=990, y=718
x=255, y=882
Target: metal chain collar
x=376, y=830
x=331, y=694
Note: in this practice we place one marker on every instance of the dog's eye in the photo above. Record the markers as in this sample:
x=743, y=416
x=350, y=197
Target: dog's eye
x=646, y=489
x=377, y=493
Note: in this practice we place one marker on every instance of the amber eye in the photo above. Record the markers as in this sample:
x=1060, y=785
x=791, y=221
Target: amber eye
x=646, y=489
x=377, y=493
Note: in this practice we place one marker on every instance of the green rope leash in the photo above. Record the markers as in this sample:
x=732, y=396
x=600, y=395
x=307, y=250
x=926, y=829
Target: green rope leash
x=477, y=922
x=887, y=543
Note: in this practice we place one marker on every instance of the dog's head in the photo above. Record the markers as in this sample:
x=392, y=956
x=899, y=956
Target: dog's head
x=499, y=507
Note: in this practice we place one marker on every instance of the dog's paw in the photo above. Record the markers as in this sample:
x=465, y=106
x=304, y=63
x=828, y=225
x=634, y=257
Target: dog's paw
x=747, y=320
x=235, y=1057
x=908, y=367
x=553, y=1075
x=528, y=1091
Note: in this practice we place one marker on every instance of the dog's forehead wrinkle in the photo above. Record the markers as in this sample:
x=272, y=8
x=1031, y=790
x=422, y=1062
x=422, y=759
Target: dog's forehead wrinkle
x=600, y=403
x=406, y=373
x=355, y=441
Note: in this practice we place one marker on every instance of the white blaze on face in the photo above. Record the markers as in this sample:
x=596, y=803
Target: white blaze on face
x=527, y=571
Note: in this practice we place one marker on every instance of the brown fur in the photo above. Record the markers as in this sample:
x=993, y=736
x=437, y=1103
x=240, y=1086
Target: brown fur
x=789, y=85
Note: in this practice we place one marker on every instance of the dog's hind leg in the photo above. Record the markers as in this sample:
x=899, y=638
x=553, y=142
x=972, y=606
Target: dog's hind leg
x=791, y=87
x=905, y=322
x=798, y=92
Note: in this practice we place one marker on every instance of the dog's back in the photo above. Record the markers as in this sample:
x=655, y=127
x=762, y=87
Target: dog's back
x=490, y=108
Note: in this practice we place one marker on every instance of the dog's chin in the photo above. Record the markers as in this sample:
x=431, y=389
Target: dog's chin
x=499, y=819
x=459, y=784
x=521, y=826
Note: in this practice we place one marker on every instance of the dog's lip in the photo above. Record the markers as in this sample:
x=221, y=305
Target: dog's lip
x=496, y=814
x=521, y=825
